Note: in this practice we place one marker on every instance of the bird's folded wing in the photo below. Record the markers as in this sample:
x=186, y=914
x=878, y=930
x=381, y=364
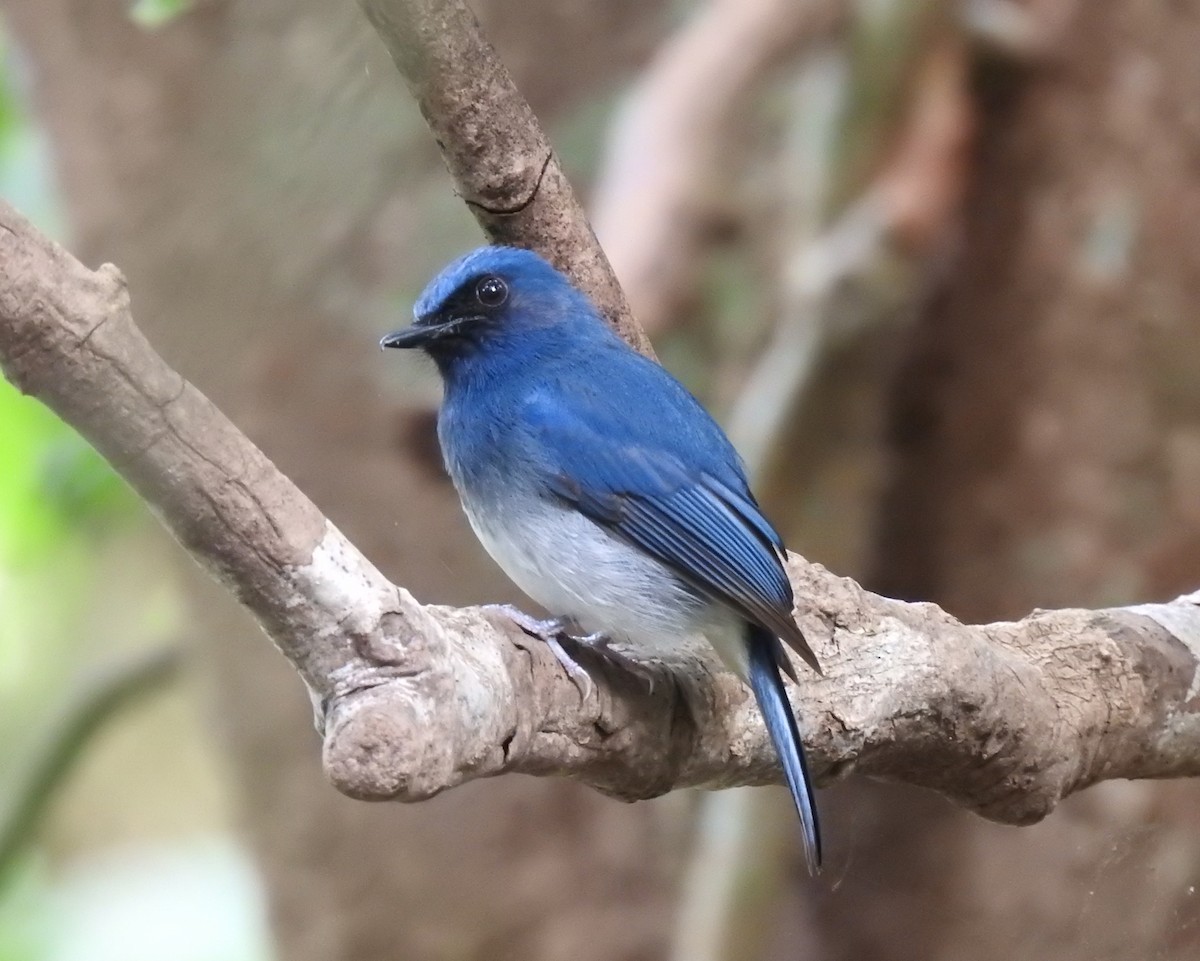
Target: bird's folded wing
x=715, y=538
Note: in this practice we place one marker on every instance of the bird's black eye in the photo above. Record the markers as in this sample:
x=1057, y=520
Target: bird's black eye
x=491, y=291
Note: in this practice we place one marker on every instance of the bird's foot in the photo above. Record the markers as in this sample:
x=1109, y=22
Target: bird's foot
x=533, y=626
x=602, y=644
x=550, y=631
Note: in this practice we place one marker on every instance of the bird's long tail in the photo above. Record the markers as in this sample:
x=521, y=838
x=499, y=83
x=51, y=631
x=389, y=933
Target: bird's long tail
x=767, y=684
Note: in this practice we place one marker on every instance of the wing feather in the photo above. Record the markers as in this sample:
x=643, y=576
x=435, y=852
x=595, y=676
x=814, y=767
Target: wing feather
x=713, y=537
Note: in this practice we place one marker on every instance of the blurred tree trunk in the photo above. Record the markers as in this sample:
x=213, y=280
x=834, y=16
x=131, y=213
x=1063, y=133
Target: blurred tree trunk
x=1047, y=442
x=257, y=171
x=252, y=169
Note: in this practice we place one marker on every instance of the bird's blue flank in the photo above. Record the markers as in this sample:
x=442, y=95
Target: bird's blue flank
x=772, y=700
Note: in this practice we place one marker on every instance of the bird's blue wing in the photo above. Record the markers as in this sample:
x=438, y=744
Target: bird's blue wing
x=622, y=472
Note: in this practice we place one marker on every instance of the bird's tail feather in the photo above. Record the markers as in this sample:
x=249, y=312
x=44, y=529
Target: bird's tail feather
x=769, y=691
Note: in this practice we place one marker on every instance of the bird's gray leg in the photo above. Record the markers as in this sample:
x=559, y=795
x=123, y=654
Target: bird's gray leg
x=602, y=644
x=554, y=630
x=550, y=631
x=550, y=627
x=577, y=671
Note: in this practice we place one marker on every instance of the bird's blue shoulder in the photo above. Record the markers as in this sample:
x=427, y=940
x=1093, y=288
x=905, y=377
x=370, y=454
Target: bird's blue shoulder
x=620, y=408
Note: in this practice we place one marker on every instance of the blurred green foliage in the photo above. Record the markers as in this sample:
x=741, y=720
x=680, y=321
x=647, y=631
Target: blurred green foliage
x=55, y=491
x=25, y=918
x=25, y=167
x=53, y=486
x=62, y=509
x=50, y=480
x=151, y=14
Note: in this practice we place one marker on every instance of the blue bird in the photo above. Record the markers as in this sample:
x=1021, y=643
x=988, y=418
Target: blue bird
x=602, y=487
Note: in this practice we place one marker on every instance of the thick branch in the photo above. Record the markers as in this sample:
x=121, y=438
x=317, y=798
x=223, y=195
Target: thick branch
x=1005, y=719
x=494, y=146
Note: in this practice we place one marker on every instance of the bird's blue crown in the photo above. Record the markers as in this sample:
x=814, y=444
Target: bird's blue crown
x=530, y=271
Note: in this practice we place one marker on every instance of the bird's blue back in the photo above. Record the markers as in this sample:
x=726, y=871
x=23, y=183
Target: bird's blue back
x=595, y=387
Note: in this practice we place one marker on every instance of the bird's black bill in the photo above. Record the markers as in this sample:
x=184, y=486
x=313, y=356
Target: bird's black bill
x=409, y=337
x=422, y=335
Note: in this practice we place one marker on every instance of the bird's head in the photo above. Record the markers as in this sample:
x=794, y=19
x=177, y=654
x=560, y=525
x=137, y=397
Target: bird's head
x=496, y=301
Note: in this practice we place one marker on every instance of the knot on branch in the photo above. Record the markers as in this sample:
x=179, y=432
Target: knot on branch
x=380, y=745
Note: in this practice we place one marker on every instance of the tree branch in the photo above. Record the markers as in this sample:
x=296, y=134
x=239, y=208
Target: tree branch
x=1005, y=719
x=493, y=146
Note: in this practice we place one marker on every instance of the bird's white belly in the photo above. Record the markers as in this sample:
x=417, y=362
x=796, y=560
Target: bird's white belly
x=573, y=567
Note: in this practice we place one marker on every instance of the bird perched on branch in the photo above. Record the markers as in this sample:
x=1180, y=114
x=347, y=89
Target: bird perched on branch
x=603, y=488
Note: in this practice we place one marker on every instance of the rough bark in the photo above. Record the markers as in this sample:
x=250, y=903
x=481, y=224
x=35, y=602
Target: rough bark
x=1006, y=719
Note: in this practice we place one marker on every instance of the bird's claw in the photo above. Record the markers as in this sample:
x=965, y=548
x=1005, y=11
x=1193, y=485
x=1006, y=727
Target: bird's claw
x=554, y=630
x=578, y=673
x=534, y=627
x=549, y=630
x=602, y=645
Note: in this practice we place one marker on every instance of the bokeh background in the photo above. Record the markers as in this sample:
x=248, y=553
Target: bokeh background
x=935, y=266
